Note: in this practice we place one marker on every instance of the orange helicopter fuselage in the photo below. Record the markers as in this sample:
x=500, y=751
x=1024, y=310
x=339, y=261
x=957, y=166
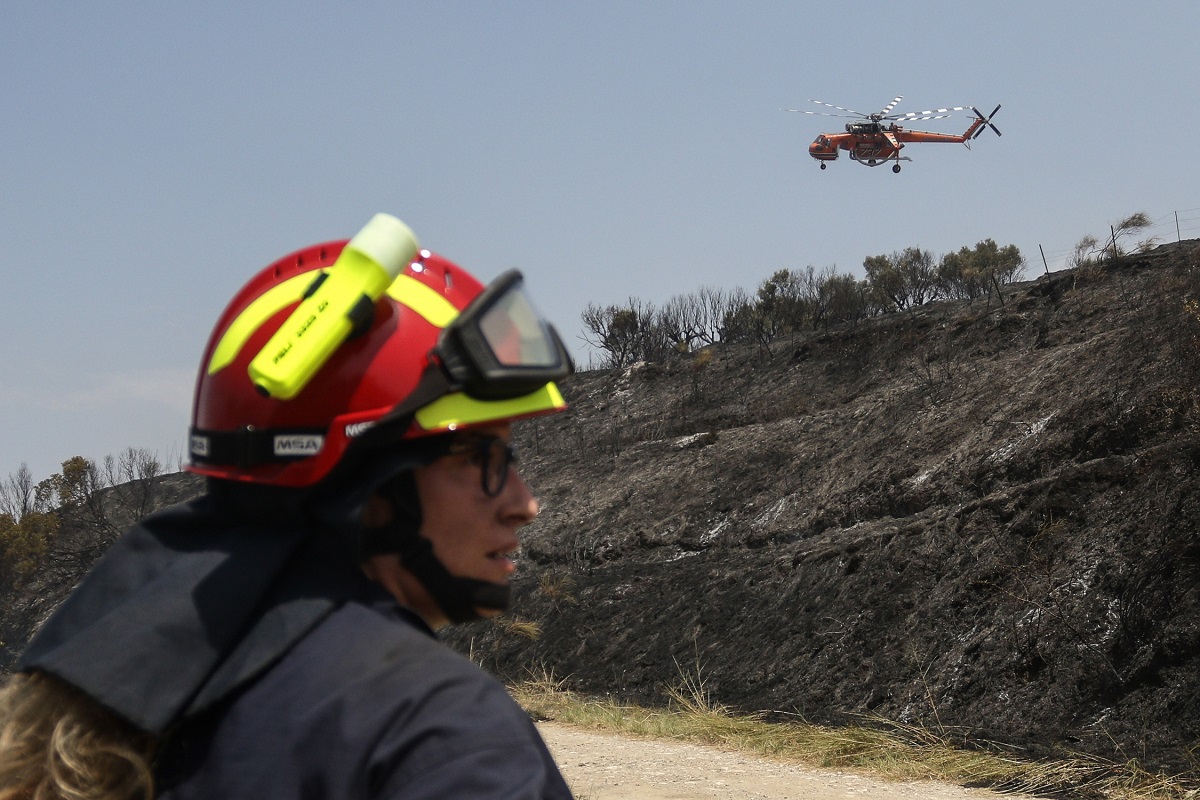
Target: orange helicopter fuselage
x=874, y=143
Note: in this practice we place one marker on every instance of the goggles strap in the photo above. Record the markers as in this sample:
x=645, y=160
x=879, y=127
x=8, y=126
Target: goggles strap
x=432, y=385
x=390, y=430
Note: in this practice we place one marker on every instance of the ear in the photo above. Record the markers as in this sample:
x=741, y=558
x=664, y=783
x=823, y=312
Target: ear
x=401, y=494
x=391, y=521
x=377, y=512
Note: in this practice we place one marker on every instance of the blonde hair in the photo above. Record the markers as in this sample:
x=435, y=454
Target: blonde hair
x=56, y=743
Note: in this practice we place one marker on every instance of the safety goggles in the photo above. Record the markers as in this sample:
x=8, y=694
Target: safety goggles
x=492, y=455
x=499, y=347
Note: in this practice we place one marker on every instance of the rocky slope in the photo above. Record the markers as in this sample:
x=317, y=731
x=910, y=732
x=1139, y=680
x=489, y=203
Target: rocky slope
x=982, y=520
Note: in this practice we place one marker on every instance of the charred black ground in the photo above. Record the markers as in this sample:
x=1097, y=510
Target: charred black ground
x=979, y=519
x=982, y=520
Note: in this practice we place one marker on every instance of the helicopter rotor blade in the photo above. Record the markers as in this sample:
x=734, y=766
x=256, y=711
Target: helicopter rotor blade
x=915, y=118
x=888, y=108
x=926, y=114
x=987, y=122
x=839, y=108
x=911, y=116
x=818, y=113
x=990, y=125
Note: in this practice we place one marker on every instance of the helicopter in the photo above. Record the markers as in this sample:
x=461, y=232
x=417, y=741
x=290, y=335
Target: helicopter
x=876, y=139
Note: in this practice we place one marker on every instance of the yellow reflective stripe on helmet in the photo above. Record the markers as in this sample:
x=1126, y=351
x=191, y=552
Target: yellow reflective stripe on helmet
x=452, y=410
x=409, y=291
x=405, y=289
x=254, y=315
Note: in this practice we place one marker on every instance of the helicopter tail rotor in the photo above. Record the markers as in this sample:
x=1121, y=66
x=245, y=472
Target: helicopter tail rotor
x=987, y=121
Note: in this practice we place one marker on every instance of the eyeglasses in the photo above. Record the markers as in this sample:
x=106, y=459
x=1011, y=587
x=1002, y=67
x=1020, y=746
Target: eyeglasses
x=492, y=455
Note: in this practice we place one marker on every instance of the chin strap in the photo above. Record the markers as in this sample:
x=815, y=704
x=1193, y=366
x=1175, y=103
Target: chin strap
x=459, y=598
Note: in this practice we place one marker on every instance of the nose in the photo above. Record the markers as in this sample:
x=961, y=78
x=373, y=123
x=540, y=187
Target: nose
x=520, y=506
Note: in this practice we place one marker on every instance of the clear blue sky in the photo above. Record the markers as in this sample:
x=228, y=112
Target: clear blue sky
x=154, y=155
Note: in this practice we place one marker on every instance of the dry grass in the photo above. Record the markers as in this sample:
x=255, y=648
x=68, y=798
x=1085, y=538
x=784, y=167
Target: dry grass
x=878, y=747
x=514, y=626
x=556, y=587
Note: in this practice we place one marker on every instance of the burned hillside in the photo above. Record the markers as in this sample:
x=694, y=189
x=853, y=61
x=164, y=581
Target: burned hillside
x=981, y=519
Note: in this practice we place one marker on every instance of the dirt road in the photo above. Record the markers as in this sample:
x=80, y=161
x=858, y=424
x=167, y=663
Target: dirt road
x=602, y=766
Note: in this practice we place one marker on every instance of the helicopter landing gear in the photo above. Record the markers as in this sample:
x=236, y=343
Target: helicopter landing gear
x=823, y=165
x=895, y=167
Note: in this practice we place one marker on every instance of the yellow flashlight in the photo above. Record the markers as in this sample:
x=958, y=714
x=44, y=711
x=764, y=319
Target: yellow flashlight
x=341, y=297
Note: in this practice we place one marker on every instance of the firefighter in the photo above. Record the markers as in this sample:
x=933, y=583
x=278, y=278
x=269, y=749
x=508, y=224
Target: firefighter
x=276, y=638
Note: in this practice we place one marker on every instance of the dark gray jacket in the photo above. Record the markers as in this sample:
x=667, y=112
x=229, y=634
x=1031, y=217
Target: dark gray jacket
x=243, y=631
x=368, y=705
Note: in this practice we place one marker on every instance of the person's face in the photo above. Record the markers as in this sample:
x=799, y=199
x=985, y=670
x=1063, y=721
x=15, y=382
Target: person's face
x=473, y=534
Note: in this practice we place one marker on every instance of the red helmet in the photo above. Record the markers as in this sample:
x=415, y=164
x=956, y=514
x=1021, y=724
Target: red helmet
x=437, y=352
